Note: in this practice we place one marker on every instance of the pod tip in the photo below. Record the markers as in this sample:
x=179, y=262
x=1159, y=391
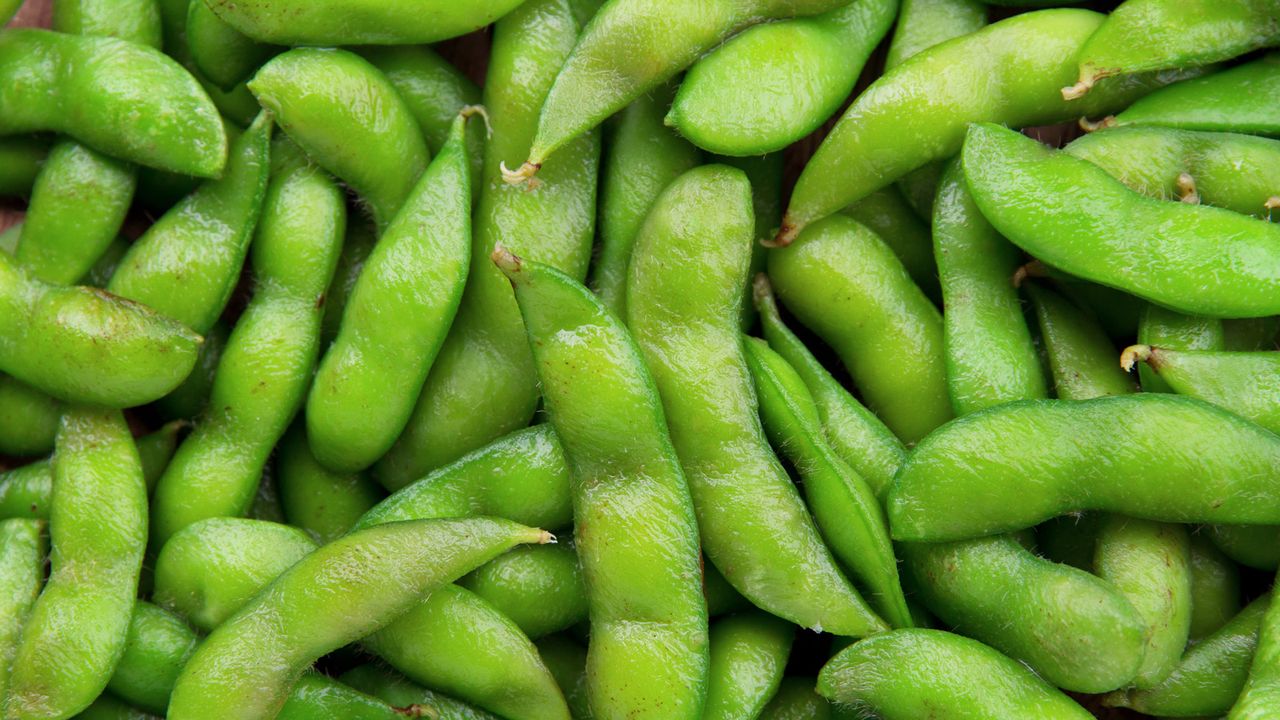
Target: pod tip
x=508, y=262
x=786, y=234
x=1133, y=355
x=522, y=175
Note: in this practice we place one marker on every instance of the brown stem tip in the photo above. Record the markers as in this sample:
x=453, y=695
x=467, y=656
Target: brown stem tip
x=1133, y=355
x=509, y=263
x=786, y=235
x=520, y=176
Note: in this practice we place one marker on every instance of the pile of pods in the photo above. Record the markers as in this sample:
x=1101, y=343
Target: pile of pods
x=965, y=426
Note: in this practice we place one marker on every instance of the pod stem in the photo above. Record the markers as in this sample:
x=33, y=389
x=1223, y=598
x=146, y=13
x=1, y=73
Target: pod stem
x=1187, y=192
x=470, y=111
x=417, y=710
x=762, y=294
x=1077, y=91
x=786, y=234
x=522, y=175
x=1088, y=125
x=1272, y=203
x=509, y=263
x=1033, y=269
x=1133, y=355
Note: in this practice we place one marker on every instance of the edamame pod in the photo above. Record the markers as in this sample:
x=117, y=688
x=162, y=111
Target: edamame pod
x=1215, y=587
x=120, y=98
x=845, y=507
x=1260, y=697
x=396, y=317
x=800, y=72
x=1081, y=356
x=1242, y=99
x=623, y=53
x=339, y=593
x=137, y=21
x=970, y=680
x=567, y=661
x=361, y=237
x=1149, y=564
x=317, y=697
x=98, y=531
x=84, y=345
x=22, y=553
x=845, y=284
x=358, y=22
x=856, y=434
x=483, y=383
x=1208, y=679
x=1143, y=35
x=1253, y=546
x=324, y=503
x=522, y=476
x=156, y=648
x=886, y=213
x=918, y=112
x=108, y=707
x=20, y=160
x=749, y=651
x=925, y=23
x=1246, y=383
x=684, y=297
x=1152, y=456
x=797, y=699
x=348, y=117
x=266, y=366
x=1175, y=331
x=539, y=587
x=643, y=156
x=1073, y=215
x=647, y=611
x=990, y=355
x=1227, y=170
x=222, y=54
x=397, y=690
x=31, y=419
x=1074, y=630
x=187, y=264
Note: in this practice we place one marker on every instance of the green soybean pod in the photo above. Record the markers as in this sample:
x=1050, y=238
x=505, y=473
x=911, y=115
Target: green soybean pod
x=991, y=358
x=1243, y=382
x=642, y=156
x=800, y=72
x=856, y=434
x=647, y=611
x=540, y=588
x=887, y=213
x=844, y=283
x=1150, y=564
x=220, y=52
x=139, y=106
x=1075, y=630
x=398, y=690
x=263, y=374
x=765, y=172
x=1175, y=331
x=1152, y=456
x=483, y=383
x=20, y=161
x=1241, y=99
x=80, y=344
x=1143, y=35
x=969, y=679
x=1250, y=545
x=402, y=22
x=1081, y=356
x=317, y=697
x=925, y=23
x=22, y=553
x=324, y=503
x=396, y=318
x=187, y=264
x=843, y=504
x=339, y=593
x=1209, y=677
x=684, y=299
x=797, y=699
x=30, y=418
x=1215, y=587
x=1227, y=170
x=1214, y=263
x=749, y=651
x=1260, y=697
x=98, y=531
x=348, y=117
x=157, y=646
x=918, y=112
x=191, y=397
x=210, y=568
x=567, y=661
x=361, y=237
x=522, y=476
x=133, y=20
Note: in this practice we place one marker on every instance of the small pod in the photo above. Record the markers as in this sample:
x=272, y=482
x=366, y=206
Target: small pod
x=1081, y=356
x=567, y=660
x=1215, y=587
x=948, y=671
x=797, y=699
x=1260, y=697
x=539, y=587
x=137, y=21
x=749, y=652
x=120, y=98
x=324, y=503
x=1072, y=215
x=22, y=554
x=221, y=53
x=1246, y=383
x=157, y=646
x=1153, y=456
x=358, y=22
x=20, y=160
x=925, y=23
x=337, y=594
x=1242, y=99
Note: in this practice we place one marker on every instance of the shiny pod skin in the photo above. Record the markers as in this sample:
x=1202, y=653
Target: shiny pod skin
x=1157, y=326
x=925, y=23
x=1246, y=383
x=844, y=283
x=888, y=214
x=918, y=112
x=324, y=503
x=157, y=646
x=637, y=536
x=623, y=53
x=76, y=629
x=337, y=594
x=1081, y=356
x=1072, y=215
x=120, y=98
x=967, y=679
x=22, y=553
x=1152, y=456
x=348, y=117
x=1142, y=35
x=749, y=653
x=1215, y=587
x=483, y=384
x=772, y=84
x=1242, y=99
x=684, y=300
x=81, y=344
x=398, y=690
x=358, y=22
x=265, y=368
x=1260, y=698
x=133, y=20
x=1227, y=170
x=539, y=587
x=220, y=52
x=1075, y=630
